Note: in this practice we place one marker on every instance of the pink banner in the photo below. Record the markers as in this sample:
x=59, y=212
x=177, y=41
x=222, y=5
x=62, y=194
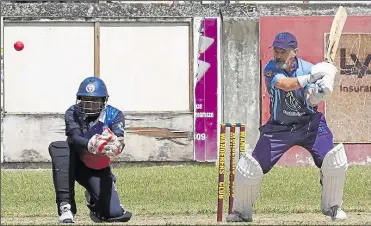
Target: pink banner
x=206, y=93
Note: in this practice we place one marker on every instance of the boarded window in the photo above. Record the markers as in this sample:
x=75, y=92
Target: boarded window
x=146, y=65
x=45, y=75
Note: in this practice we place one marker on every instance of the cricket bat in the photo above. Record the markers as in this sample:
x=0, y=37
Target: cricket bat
x=335, y=34
x=333, y=42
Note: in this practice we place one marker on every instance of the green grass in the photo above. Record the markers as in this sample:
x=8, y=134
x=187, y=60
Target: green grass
x=184, y=190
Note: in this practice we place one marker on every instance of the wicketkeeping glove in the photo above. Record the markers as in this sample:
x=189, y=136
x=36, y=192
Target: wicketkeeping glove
x=107, y=144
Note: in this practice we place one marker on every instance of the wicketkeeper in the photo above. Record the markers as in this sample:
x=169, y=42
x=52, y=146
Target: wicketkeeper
x=95, y=135
x=295, y=88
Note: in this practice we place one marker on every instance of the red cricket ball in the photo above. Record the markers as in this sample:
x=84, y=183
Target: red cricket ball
x=18, y=45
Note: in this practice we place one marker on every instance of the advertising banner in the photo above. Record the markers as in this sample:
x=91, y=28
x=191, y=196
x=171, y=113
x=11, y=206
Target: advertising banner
x=206, y=93
x=349, y=107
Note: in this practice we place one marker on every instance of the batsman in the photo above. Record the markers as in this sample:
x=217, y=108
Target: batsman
x=95, y=135
x=295, y=87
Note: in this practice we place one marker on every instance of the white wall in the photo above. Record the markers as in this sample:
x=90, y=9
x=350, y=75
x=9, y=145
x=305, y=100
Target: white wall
x=45, y=75
x=146, y=65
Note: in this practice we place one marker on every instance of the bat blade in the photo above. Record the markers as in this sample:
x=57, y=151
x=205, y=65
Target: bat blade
x=335, y=34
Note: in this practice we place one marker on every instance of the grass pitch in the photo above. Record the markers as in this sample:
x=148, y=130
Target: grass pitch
x=188, y=195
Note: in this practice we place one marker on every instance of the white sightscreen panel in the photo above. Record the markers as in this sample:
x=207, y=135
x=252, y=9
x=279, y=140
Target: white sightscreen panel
x=45, y=75
x=146, y=66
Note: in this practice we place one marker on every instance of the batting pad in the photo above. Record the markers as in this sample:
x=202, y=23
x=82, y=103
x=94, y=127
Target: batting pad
x=248, y=180
x=334, y=167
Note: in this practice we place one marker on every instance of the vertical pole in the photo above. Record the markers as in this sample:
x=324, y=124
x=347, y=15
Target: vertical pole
x=97, y=49
x=191, y=93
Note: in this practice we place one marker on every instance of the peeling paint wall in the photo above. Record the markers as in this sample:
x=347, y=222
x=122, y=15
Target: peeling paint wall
x=240, y=69
x=159, y=137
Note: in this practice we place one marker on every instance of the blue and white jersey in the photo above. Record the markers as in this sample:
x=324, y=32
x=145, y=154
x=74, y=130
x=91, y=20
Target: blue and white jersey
x=288, y=108
x=110, y=117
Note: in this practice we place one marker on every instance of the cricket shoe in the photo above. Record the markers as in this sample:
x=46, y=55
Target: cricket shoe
x=336, y=214
x=66, y=214
x=87, y=197
x=236, y=217
x=126, y=216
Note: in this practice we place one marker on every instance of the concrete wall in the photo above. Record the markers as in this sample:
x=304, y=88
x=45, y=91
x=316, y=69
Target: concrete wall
x=241, y=94
x=240, y=67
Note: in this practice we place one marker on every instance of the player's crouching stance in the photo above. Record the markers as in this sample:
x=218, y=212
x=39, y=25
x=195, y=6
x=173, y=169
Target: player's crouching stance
x=295, y=87
x=95, y=135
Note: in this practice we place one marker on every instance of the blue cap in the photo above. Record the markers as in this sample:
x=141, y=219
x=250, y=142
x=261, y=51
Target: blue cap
x=285, y=40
